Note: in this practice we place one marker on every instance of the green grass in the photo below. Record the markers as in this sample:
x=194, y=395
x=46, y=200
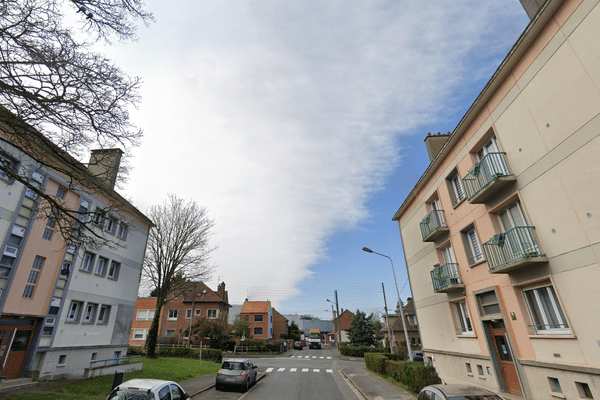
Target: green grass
x=170, y=369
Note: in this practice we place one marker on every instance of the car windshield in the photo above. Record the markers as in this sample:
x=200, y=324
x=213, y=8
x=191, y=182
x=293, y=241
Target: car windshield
x=238, y=366
x=476, y=397
x=126, y=394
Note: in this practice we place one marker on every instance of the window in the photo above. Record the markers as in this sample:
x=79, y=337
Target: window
x=122, y=231
x=164, y=393
x=61, y=192
x=554, y=385
x=172, y=315
x=102, y=266
x=94, y=356
x=62, y=360
x=74, y=311
x=188, y=313
x=170, y=333
x=457, y=194
x=47, y=331
x=82, y=211
x=113, y=272
x=462, y=318
x=7, y=165
x=34, y=274
x=99, y=216
x=90, y=313
x=145, y=315
x=258, y=317
x=198, y=312
x=545, y=311
x=103, y=315
x=488, y=304
x=258, y=332
x=139, y=334
x=211, y=313
x=584, y=391
x=469, y=369
x=472, y=246
x=87, y=264
x=110, y=226
x=49, y=230
x=28, y=292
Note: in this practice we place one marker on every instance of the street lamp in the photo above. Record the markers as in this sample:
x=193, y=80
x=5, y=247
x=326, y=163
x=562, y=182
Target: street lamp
x=339, y=333
x=399, y=301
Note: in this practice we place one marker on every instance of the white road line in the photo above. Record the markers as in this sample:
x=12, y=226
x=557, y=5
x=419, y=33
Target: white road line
x=293, y=356
x=329, y=371
x=293, y=369
x=329, y=358
x=281, y=370
x=304, y=369
x=316, y=370
x=321, y=357
x=314, y=356
x=270, y=369
x=307, y=357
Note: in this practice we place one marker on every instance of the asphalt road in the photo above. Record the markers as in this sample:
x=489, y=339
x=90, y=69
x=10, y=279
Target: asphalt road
x=305, y=374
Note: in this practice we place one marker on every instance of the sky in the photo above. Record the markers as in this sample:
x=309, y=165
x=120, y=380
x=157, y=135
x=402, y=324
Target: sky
x=300, y=127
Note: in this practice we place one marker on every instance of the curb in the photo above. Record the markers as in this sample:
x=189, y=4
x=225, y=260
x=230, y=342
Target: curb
x=352, y=385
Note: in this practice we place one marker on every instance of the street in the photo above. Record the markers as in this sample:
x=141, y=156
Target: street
x=303, y=374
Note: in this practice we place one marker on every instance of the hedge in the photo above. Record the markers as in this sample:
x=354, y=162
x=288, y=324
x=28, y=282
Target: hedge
x=352, y=350
x=413, y=375
x=180, y=352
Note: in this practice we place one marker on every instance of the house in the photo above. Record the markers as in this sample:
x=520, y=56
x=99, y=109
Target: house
x=397, y=328
x=345, y=323
x=145, y=307
x=259, y=316
x=187, y=305
x=63, y=308
x=280, y=325
x=501, y=232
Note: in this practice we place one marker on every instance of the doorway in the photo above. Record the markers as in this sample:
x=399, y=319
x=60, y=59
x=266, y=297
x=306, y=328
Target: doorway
x=14, y=345
x=504, y=356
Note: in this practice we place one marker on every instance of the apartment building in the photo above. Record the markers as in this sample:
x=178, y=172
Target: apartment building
x=501, y=234
x=63, y=307
x=145, y=307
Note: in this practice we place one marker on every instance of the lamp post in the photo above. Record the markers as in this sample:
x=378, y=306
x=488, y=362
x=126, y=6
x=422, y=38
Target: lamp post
x=399, y=301
x=339, y=333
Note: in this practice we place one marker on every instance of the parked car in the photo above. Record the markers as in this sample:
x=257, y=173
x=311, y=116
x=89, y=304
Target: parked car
x=456, y=392
x=148, y=389
x=418, y=356
x=236, y=372
x=298, y=345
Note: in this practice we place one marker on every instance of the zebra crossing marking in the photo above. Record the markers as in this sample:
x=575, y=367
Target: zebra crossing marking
x=269, y=369
x=304, y=369
x=329, y=371
x=316, y=370
x=281, y=370
x=293, y=369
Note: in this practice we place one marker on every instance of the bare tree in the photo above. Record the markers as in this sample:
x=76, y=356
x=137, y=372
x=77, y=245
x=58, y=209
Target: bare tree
x=178, y=250
x=52, y=83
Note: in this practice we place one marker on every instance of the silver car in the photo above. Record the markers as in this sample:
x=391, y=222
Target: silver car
x=236, y=372
x=456, y=392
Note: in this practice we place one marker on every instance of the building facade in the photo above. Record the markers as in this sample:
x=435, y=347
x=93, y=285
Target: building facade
x=63, y=307
x=145, y=308
x=259, y=316
x=501, y=233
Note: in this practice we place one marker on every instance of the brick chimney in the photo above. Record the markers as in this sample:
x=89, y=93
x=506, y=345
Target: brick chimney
x=104, y=164
x=434, y=143
x=221, y=291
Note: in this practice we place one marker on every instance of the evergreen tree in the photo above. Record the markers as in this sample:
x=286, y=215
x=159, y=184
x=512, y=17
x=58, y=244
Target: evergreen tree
x=362, y=331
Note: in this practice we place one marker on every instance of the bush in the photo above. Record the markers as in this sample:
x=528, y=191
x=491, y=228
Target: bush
x=394, y=357
x=186, y=352
x=376, y=362
x=414, y=375
x=352, y=350
x=136, y=351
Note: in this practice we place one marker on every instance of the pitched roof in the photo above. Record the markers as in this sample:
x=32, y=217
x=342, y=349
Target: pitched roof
x=199, y=292
x=256, y=307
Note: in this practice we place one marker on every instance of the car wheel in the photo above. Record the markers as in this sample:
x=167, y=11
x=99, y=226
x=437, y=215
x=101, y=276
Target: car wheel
x=247, y=384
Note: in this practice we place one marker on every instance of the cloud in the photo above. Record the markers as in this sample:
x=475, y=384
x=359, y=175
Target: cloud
x=283, y=118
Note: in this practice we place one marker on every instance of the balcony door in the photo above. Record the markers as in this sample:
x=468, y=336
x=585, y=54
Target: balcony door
x=520, y=239
x=436, y=205
x=450, y=262
x=493, y=163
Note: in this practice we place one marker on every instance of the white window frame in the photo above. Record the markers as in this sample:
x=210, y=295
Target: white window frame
x=198, y=312
x=87, y=262
x=188, y=313
x=463, y=318
x=113, y=271
x=101, y=266
x=170, y=333
x=472, y=239
x=173, y=314
x=142, y=332
x=122, y=231
x=542, y=310
x=103, y=315
x=74, y=311
x=89, y=315
x=211, y=313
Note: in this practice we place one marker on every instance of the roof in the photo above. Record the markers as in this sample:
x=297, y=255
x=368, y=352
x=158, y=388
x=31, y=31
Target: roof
x=256, y=307
x=199, y=292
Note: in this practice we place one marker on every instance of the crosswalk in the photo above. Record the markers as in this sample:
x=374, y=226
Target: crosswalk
x=271, y=369
x=305, y=357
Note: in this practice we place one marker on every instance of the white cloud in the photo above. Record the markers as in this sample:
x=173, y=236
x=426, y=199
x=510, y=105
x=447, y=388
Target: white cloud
x=283, y=117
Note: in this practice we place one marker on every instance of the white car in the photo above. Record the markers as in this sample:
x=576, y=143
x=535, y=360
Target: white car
x=148, y=389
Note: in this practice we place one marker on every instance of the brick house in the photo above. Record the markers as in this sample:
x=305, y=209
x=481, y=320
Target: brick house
x=345, y=320
x=412, y=326
x=144, y=313
x=259, y=316
x=280, y=325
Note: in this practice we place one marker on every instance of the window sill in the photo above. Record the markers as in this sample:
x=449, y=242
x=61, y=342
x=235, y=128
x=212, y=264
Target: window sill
x=467, y=336
x=554, y=336
x=459, y=203
x=558, y=395
x=482, y=378
x=477, y=263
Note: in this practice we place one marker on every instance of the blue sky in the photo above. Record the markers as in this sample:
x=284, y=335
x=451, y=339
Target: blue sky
x=300, y=126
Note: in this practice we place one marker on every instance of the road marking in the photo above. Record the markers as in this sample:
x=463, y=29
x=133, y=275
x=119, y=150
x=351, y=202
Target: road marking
x=329, y=358
x=293, y=369
x=281, y=370
x=329, y=371
x=270, y=369
x=304, y=369
x=316, y=370
x=307, y=357
x=293, y=356
x=314, y=356
x=321, y=357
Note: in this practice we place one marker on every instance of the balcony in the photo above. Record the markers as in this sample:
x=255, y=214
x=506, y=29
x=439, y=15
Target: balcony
x=433, y=225
x=445, y=278
x=514, y=249
x=487, y=177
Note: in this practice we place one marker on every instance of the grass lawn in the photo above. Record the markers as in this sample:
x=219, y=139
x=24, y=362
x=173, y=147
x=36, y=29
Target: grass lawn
x=170, y=369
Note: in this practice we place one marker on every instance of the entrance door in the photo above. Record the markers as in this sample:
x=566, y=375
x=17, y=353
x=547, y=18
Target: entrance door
x=507, y=366
x=15, y=346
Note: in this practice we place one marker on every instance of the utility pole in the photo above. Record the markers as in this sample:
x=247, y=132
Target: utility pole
x=387, y=321
x=337, y=309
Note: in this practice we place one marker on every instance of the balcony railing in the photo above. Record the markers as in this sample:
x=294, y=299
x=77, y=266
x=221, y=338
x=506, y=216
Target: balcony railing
x=445, y=277
x=433, y=225
x=513, y=249
x=486, y=176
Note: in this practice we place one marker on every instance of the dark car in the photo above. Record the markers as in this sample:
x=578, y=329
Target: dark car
x=236, y=372
x=298, y=345
x=418, y=356
x=456, y=392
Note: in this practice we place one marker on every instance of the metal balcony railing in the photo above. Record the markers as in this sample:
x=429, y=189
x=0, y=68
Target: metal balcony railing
x=444, y=276
x=516, y=244
x=432, y=222
x=490, y=168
